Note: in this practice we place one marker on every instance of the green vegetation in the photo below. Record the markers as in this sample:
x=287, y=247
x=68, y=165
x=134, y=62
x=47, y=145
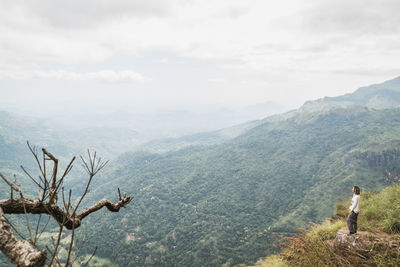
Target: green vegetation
x=228, y=200
x=97, y=262
x=272, y=261
x=381, y=211
x=229, y=203
x=378, y=213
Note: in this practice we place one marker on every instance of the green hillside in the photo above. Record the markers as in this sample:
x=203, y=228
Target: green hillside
x=377, y=96
x=206, y=206
x=226, y=197
x=378, y=230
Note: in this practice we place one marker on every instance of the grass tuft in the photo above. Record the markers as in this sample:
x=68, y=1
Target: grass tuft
x=272, y=261
x=327, y=230
x=381, y=211
x=310, y=248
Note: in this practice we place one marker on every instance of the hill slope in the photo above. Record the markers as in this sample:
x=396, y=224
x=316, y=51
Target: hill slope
x=222, y=204
x=328, y=244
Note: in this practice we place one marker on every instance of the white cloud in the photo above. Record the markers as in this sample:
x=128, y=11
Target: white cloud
x=103, y=75
x=89, y=13
x=361, y=17
x=163, y=60
x=261, y=34
x=216, y=80
x=281, y=49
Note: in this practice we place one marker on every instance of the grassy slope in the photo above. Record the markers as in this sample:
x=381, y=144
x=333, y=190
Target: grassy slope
x=379, y=212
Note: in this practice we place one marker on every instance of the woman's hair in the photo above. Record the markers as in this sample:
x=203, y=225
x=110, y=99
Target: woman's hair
x=356, y=190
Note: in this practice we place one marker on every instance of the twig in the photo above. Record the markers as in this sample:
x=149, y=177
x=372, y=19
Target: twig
x=13, y=227
x=63, y=198
x=22, y=167
x=79, y=250
x=67, y=170
x=92, y=172
x=53, y=191
x=94, y=252
x=44, y=166
x=37, y=228
x=9, y=183
x=44, y=228
x=57, y=244
x=70, y=245
x=34, y=153
x=27, y=221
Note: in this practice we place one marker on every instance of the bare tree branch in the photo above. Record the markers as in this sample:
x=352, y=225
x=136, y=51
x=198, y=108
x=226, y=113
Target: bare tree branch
x=44, y=227
x=15, y=229
x=21, y=253
x=71, y=243
x=53, y=187
x=37, y=228
x=34, y=153
x=18, y=206
x=56, y=245
x=22, y=167
x=79, y=250
x=105, y=203
x=66, y=216
x=13, y=187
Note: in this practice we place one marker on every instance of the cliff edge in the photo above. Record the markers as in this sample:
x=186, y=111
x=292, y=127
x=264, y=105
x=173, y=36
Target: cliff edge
x=377, y=242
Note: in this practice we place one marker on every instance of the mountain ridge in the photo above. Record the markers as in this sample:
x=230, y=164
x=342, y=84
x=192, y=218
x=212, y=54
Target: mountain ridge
x=265, y=181
x=379, y=96
x=224, y=203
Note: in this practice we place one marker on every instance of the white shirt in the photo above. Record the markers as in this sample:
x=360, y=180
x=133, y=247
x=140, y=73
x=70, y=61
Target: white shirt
x=355, y=203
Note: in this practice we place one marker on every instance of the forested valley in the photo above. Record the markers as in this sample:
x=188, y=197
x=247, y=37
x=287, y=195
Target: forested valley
x=228, y=196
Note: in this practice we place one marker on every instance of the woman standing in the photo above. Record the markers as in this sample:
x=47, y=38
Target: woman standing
x=354, y=210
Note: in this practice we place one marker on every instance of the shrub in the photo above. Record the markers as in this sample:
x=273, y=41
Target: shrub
x=307, y=249
x=327, y=230
x=272, y=261
x=381, y=211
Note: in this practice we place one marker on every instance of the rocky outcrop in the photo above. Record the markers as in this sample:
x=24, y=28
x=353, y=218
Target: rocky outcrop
x=363, y=243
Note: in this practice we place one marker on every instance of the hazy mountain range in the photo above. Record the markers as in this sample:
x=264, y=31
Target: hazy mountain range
x=222, y=197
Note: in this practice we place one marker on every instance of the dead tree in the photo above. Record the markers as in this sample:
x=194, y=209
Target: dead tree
x=50, y=191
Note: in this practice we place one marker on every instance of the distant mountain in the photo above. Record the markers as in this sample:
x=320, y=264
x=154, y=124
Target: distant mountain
x=210, y=205
x=378, y=96
x=200, y=139
x=222, y=197
x=65, y=141
x=163, y=123
x=13, y=148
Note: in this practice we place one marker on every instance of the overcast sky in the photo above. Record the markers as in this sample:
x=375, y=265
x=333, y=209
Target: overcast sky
x=184, y=53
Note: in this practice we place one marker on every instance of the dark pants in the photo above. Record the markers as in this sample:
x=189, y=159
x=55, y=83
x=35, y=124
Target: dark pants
x=352, y=222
